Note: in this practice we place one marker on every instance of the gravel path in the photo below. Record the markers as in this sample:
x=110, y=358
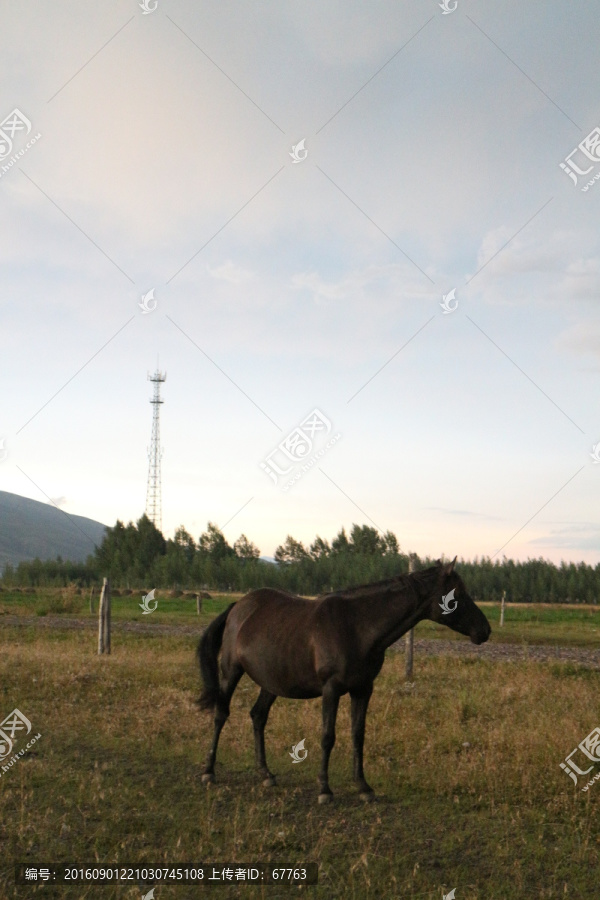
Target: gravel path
x=507, y=652
x=423, y=647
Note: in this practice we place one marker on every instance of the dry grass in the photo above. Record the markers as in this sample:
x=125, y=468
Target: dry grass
x=465, y=764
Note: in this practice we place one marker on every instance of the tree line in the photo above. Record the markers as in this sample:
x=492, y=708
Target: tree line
x=137, y=556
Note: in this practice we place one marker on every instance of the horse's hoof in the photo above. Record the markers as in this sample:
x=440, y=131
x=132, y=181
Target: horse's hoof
x=208, y=778
x=367, y=796
x=270, y=781
x=325, y=798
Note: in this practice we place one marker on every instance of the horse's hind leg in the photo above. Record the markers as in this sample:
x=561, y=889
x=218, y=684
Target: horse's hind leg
x=331, y=699
x=259, y=715
x=359, y=704
x=221, y=716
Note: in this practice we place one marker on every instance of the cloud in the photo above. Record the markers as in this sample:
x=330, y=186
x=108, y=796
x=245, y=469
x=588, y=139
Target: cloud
x=231, y=272
x=388, y=284
x=578, y=536
x=464, y=513
x=583, y=337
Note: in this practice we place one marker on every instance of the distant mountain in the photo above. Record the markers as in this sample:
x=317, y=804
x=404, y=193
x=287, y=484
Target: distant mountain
x=29, y=529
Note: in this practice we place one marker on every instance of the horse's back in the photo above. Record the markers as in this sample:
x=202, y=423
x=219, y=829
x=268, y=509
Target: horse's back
x=268, y=609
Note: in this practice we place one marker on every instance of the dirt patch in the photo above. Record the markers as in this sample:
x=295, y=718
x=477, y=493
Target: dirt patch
x=92, y=625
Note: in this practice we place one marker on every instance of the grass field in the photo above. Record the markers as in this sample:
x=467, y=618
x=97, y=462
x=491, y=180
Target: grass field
x=465, y=763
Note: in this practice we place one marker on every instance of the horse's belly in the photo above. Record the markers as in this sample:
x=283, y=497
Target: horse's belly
x=301, y=694
x=284, y=679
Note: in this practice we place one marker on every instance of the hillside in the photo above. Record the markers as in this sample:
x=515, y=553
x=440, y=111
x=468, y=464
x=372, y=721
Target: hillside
x=29, y=529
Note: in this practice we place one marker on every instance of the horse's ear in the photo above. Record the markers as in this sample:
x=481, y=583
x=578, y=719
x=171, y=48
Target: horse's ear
x=449, y=567
x=439, y=562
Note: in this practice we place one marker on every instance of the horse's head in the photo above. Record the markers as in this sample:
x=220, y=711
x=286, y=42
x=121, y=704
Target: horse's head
x=451, y=605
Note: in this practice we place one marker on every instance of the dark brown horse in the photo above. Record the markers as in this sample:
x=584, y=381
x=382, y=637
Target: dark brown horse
x=293, y=647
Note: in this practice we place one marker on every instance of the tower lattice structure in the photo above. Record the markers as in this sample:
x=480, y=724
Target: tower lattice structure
x=153, y=489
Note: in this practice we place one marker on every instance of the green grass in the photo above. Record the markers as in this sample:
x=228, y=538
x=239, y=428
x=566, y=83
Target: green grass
x=115, y=775
x=577, y=626
x=534, y=624
x=170, y=610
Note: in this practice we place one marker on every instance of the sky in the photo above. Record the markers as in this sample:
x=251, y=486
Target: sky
x=367, y=238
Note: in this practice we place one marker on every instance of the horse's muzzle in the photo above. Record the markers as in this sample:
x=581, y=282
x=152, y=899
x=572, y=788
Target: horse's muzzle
x=480, y=637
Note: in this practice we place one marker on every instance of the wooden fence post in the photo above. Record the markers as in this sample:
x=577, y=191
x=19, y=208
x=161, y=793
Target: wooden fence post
x=198, y=604
x=502, y=609
x=92, y=600
x=108, y=618
x=104, y=619
x=410, y=635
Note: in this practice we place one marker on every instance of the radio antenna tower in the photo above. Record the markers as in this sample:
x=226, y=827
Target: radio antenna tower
x=153, y=489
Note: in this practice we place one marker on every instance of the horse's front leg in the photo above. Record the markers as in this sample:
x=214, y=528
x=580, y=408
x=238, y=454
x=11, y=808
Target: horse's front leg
x=359, y=704
x=331, y=699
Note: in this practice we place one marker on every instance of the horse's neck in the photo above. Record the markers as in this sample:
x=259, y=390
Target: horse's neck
x=392, y=614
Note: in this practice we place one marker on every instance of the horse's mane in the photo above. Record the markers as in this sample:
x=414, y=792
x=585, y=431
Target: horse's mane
x=365, y=591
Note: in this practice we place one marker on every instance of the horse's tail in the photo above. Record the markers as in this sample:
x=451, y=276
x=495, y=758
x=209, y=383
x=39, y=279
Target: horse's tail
x=208, y=659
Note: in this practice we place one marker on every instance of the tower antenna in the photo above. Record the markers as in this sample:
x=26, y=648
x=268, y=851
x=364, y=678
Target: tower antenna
x=154, y=488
